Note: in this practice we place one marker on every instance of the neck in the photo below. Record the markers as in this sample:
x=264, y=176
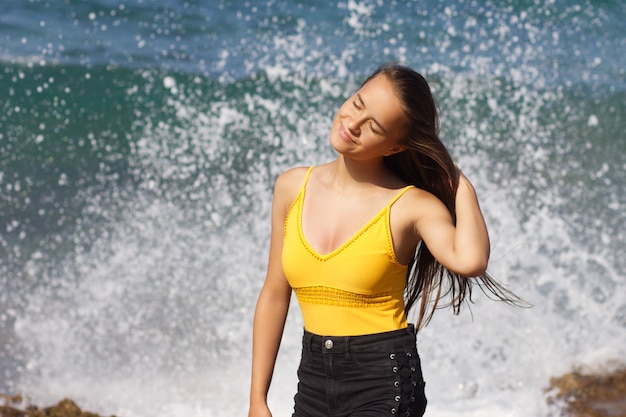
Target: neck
x=350, y=173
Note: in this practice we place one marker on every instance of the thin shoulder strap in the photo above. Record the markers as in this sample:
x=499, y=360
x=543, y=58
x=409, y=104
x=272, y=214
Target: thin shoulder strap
x=400, y=193
x=306, y=178
x=308, y=173
x=298, y=202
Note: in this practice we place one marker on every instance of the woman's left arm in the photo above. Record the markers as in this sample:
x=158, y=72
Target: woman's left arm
x=464, y=248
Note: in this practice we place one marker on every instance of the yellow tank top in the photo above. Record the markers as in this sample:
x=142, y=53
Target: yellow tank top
x=354, y=290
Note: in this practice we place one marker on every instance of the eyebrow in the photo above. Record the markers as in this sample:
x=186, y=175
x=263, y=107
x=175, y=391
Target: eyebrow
x=358, y=95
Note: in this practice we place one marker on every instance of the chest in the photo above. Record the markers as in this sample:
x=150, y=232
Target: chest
x=363, y=263
x=329, y=222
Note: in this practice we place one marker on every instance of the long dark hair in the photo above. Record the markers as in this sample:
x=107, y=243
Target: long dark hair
x=427, y=164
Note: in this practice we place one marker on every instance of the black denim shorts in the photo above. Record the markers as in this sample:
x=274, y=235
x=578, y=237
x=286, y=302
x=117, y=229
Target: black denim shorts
x=360, y=376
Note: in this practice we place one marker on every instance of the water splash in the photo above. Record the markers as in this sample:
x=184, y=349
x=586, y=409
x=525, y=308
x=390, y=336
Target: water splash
x=140, y=283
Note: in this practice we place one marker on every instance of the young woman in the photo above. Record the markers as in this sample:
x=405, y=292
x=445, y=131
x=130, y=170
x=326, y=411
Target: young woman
x=361, y=239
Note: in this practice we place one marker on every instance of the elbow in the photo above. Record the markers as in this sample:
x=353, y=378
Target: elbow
x=475, y=268
x=479, y=269
x=477, y=264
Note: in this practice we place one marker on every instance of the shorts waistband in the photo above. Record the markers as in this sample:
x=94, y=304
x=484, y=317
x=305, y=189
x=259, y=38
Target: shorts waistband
x=341, y=344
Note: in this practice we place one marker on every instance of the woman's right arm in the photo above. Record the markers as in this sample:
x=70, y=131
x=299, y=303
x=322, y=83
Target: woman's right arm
x=273, y=302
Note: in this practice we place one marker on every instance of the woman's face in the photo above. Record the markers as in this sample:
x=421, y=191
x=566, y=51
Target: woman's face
x=370, y=124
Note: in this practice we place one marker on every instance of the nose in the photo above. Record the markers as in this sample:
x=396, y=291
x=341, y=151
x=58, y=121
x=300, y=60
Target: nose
x=354, y=125
x=353, y=128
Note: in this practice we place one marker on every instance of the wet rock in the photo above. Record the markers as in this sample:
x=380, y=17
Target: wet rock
x=16, y=406
x=590, y=394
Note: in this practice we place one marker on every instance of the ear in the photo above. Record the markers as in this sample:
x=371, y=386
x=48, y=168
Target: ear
x=395, y=149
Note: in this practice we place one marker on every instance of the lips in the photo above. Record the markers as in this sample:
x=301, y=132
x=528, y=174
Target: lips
x=343, y=133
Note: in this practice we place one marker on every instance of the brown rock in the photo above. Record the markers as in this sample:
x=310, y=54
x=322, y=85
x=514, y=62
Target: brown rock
x=590, y=394
x=14, y=407
x=7, y=401
x=66, y=408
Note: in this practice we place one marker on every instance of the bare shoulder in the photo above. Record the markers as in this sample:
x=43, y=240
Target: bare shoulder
x=288, y=185
x=418, y=195
x=290, y=180
x=416, y=203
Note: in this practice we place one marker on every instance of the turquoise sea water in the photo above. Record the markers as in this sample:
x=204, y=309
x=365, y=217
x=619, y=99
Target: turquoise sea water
x=139, y=142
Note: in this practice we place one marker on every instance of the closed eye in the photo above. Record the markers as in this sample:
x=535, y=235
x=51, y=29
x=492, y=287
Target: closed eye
x=357, y=105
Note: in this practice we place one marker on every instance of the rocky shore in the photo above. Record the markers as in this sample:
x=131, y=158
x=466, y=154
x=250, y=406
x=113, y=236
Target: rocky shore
x=576, y=394
x=589, y=394
x=17, y=406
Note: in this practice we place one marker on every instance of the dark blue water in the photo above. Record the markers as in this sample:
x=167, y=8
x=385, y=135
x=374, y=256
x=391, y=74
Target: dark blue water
x=139, y=142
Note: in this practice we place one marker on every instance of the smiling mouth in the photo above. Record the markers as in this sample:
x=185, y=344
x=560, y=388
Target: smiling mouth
x=344, y=134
